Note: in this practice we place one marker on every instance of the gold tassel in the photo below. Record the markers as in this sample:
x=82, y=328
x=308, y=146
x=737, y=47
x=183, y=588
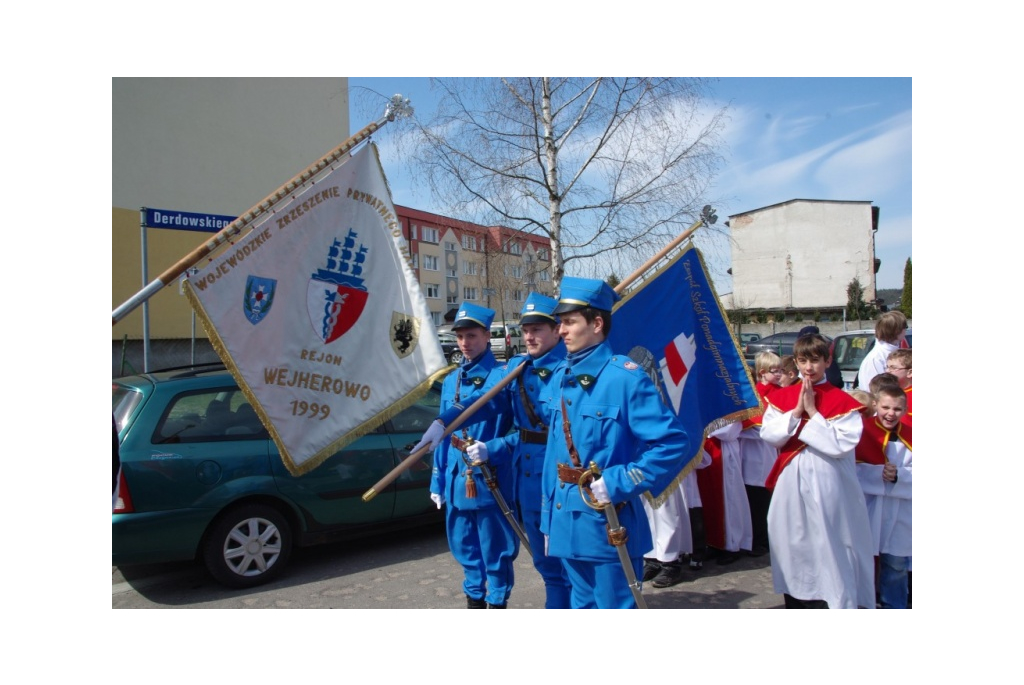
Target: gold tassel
x=470, y=485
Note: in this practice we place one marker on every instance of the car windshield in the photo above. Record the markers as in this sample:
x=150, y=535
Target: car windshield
x=497, y=333
x=850, y=350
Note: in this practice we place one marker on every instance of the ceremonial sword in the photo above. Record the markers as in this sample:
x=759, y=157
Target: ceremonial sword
x=617, y=535
x=492, y=485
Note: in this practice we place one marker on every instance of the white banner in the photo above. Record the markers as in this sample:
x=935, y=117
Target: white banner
x=318, y=314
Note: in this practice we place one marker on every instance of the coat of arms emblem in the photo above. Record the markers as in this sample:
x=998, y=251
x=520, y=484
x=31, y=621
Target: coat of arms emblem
x=259, y=296
x=336, y=295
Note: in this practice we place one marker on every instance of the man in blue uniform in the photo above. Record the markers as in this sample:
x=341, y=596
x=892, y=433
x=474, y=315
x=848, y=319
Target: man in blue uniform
x=526, y=445
x=605, y=410
x=479, y=536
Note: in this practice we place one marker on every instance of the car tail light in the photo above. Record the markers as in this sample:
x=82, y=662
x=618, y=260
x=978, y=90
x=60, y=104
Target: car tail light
x=124, y=498
x=508, y=341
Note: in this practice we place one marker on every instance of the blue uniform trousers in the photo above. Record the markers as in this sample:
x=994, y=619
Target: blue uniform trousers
x=556, y=581
x=601, y=584
x=483, y=543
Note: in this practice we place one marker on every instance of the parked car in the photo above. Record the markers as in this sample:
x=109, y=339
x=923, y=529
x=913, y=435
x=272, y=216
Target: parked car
x=850, y=348
x=779, y=343
x=749, y=337
x=450, y=347
x=201, y=479
x=506, y=340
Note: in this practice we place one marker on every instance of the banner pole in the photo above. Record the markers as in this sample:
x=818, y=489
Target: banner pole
x=397, y=107
x=404, y=465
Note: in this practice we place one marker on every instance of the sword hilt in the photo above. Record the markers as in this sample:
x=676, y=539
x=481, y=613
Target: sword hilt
x=590, y=474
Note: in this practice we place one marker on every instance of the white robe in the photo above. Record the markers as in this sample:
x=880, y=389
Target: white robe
x=670, y=523
x=889, y=504
x=758, y=456
x=670, y=527
x=821, y=546
x=739, y=530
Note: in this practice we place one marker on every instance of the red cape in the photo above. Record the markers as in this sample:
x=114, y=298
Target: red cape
x=875, y=439
x=831, y=403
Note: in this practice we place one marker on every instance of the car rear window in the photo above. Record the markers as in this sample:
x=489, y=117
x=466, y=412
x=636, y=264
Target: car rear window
x=125, y=401
x=498, y=333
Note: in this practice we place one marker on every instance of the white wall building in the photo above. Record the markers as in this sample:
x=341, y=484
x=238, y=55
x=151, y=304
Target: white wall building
x=802, y=255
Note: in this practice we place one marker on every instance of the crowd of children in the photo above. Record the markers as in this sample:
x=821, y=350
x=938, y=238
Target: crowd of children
x=822, y=479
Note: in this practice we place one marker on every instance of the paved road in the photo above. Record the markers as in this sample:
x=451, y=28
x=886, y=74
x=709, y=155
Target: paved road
x=409, y=570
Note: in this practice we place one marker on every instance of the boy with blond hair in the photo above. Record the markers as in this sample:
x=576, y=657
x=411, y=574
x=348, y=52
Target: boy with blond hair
x=885, y=472
x=890, y=332
x=900, y=364
x=756, y=455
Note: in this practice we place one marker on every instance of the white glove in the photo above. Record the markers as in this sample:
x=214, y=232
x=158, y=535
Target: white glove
x=600, y=491
x=437, y=499
x=477, y=452
x=431, y=437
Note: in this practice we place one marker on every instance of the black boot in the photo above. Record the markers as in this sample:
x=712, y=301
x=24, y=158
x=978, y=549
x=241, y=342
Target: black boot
x=670, y=574
x=651, y=569
x=475, y=603
x=497, y=606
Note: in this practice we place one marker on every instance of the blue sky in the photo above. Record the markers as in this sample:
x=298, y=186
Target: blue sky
x=787, y=138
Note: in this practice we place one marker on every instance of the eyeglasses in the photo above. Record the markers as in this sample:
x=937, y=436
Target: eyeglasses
x=896, y=368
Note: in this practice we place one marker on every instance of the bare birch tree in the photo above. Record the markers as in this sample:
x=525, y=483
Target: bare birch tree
x=604, y=167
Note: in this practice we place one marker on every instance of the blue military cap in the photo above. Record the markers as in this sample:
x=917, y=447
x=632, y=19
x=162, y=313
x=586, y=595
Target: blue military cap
x=578, y=293
x=538, y=309
x=473, y=315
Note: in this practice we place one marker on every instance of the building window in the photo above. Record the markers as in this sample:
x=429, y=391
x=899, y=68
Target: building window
x=452, y=299
x=451, y=273
x=544, y=275
x=429, y=235
x=430, y=262
x=433, y=290
x=517, y=295
x=412, y=231
x=515, y=248
x=449, y=246
x=469, y=293
x=469, y=242
x=415, y=260
x=514, y=271
x=469, y=268
x=436, y=318
x=542, y=253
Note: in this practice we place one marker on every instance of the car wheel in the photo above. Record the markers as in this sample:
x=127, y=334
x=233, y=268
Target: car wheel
x=248, y=546
x=455, y=357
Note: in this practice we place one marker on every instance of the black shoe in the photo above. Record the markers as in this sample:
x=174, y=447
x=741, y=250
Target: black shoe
x=651, y=569
x=497, y=606
x=724, y=558
x=758, y=551
x=475, y=603
x=670, y=574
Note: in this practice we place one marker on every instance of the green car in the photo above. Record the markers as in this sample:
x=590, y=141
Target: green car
x=201, y=479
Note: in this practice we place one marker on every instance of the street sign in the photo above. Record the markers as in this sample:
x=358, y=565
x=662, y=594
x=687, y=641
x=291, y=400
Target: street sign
x=185, y=221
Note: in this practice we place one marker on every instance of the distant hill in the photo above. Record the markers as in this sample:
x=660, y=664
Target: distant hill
x=890, y=295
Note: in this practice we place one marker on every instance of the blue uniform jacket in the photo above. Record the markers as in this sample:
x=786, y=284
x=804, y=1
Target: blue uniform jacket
x=528, y=457
x=619, y=421
x=475, y=378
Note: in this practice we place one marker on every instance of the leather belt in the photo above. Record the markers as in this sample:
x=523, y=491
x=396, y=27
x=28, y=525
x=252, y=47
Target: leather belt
x=534, y=437
x=570, y=474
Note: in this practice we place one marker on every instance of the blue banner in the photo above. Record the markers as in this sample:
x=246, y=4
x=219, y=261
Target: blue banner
x=674, y=326
x=186, y=221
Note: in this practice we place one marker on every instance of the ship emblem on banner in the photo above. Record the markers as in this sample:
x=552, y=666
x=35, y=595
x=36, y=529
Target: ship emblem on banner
x=259, y=296
x=405, y=333
x=337, y=295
